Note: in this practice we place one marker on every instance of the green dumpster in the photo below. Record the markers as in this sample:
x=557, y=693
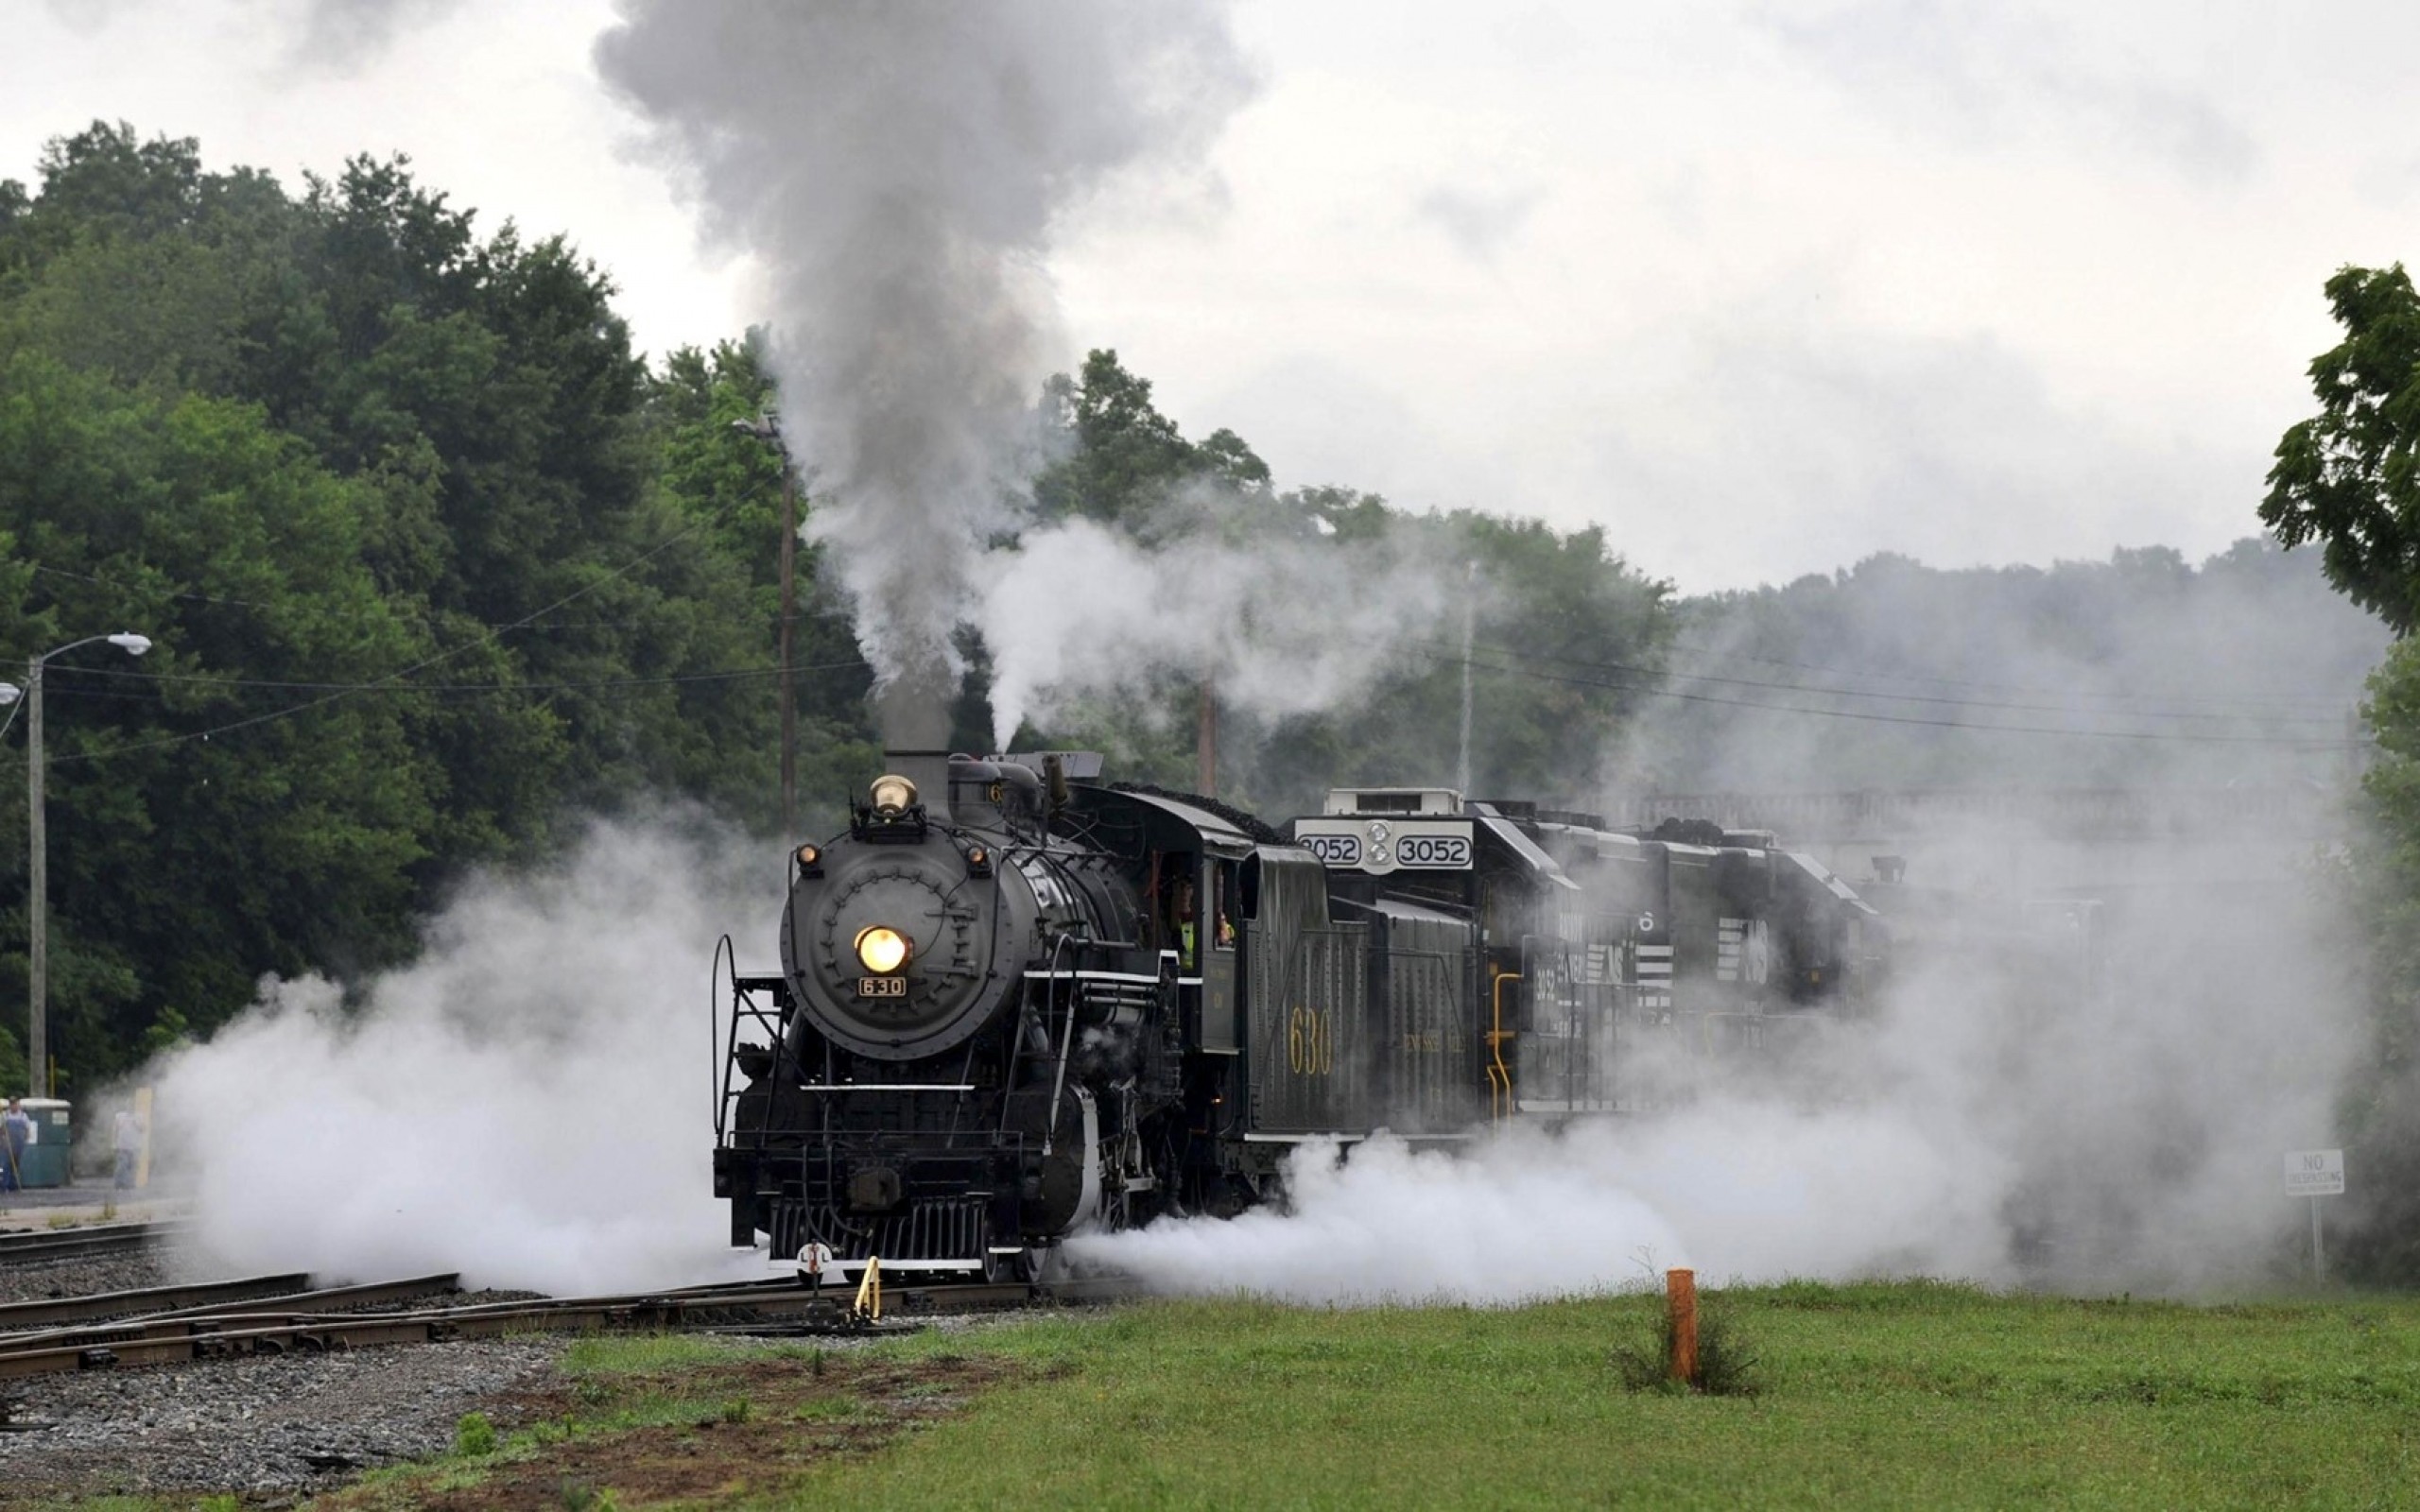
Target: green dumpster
x=45, y=1160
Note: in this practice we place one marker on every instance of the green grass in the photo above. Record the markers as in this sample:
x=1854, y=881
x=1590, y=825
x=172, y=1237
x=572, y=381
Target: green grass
x=1908, y=1395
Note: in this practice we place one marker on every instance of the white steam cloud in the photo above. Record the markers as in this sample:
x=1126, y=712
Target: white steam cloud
x=1284, y=625
x=1738, y=1190
x=2036, y=1105
x=900, y=169
x=528, y=1104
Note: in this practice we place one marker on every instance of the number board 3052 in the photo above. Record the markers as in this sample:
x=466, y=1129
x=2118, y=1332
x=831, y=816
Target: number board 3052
x=1452, y=850
x=1335, y=850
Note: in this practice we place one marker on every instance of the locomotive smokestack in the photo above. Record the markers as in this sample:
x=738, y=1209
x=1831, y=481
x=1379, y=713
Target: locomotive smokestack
x=1054, y=777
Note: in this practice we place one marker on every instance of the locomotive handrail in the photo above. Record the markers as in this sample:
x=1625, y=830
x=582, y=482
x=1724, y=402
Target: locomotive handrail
x=1067, y=1044
x=1499, y=1075
x=718, y=1075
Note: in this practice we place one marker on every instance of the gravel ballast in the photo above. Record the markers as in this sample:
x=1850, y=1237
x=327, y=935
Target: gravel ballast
x=80, y=1276
x=256, y=1423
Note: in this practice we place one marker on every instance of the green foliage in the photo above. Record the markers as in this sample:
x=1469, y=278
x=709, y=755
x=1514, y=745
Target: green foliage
x=2378, y=886
x=1726, y=1366
x=429, y=558
x=473, y=1435
x=2349, y=477
x=579, y=1496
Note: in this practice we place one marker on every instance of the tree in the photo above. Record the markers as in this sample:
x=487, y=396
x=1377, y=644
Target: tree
x=421, y=543
x=183, y=868
x=1542, y=728
x=2349, y=476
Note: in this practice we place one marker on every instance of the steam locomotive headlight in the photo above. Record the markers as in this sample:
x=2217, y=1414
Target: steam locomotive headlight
x=882, y=948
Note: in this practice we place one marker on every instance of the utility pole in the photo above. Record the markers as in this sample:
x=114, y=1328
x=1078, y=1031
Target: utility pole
x=1470, y=625
x=768, y=429
x=789, y=688
x=1206, y=738
x=37, y=897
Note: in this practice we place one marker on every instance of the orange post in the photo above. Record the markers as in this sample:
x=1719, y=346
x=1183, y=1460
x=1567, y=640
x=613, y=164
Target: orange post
x=1681, y=1298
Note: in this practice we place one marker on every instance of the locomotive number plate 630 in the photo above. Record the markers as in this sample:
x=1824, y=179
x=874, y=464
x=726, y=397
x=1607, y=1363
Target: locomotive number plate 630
x=882, y=987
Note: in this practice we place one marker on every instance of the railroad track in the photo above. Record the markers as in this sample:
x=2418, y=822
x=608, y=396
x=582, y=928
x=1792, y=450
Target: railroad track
x=200, y=1301
x=67, y=1243
x=303, y=1322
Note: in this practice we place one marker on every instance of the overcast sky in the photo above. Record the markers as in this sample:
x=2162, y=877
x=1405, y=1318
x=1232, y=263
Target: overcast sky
x=1762, y=288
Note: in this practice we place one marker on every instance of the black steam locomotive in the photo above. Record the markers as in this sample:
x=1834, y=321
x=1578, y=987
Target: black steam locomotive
x=1016, y=1001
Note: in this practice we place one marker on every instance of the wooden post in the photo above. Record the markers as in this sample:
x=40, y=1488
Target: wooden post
x=1681, y=1298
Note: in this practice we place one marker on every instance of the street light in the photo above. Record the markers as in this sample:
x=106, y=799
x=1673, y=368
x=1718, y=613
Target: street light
x=38, y=883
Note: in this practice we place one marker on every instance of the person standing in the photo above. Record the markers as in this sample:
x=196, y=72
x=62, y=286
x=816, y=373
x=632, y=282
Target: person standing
x=19, y=1128
x=126, y=1138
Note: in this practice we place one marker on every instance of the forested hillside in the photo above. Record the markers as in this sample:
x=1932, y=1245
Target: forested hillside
x=2141, y=670
x=434, y=564
x=430, y=559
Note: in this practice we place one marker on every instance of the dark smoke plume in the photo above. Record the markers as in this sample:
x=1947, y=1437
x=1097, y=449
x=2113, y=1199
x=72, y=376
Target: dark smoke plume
x=900, y=169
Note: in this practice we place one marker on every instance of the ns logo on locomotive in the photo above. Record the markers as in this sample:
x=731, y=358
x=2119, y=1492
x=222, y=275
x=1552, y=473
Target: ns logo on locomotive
x=1017, y=1000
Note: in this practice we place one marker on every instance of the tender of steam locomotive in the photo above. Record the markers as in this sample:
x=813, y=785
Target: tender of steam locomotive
x=1591, y=971
x=1013, y=1002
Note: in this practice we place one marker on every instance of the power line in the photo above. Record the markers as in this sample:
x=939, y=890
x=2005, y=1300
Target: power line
x=1999, y=687
x=1897, y=698
x=2182, y=737
x=488, y=636
x=123, y=588
x=408, y=688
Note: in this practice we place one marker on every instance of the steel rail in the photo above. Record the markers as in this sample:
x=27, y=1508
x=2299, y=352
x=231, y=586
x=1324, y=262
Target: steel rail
x=18, y=1316
x=216, y=1303
x=55, y=1244
x=162, y=1340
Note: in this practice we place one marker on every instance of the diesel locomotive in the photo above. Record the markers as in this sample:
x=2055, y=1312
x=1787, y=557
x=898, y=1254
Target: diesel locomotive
x=1016, y=1000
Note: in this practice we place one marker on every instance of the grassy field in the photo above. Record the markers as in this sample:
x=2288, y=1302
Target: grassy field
x=1904, y=1394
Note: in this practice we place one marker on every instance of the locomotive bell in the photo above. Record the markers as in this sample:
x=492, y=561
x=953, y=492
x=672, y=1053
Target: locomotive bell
x=893, y=794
